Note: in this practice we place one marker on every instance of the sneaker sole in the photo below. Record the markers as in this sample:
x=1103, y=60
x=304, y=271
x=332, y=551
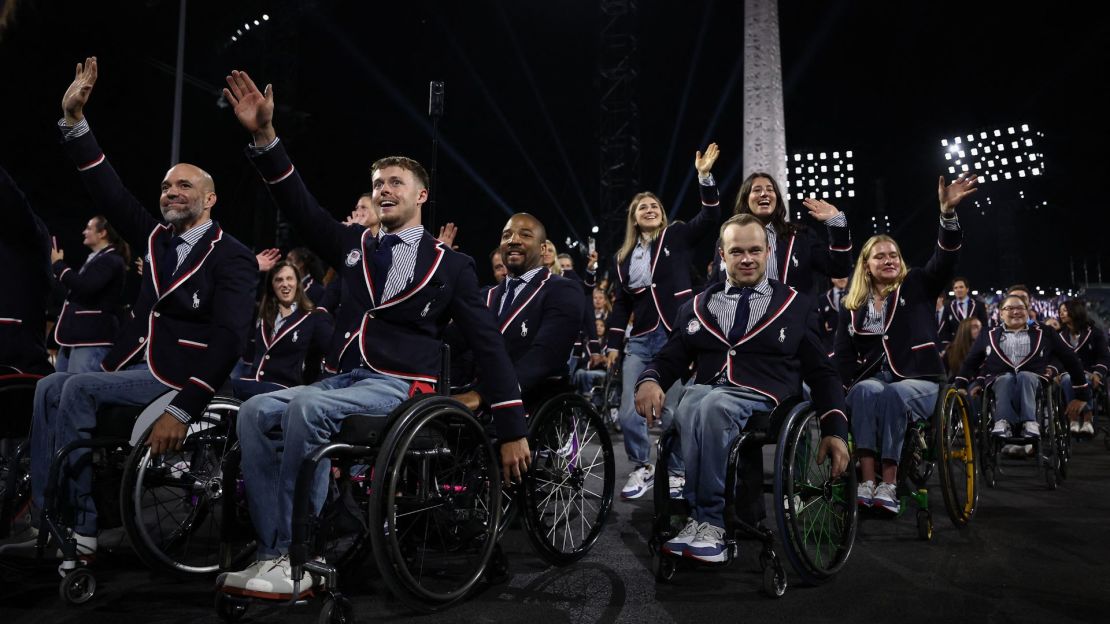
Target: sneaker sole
x=250, y=593
x=721, y=558
x=636, y=494
x=673, y=553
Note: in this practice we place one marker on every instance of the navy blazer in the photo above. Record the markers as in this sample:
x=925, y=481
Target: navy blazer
x=193, y=328
x=403, y=336
x=781, y=350
x=1091, y=349
x=670, y=285
x=25, y=261
x=951, y=318
x=1047, y=350
x=286, y=359
x=313, y=289
x=827, y=315
x=909, y=340
x=91, y=313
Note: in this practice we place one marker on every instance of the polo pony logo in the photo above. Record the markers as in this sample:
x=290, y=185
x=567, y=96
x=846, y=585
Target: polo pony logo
x=666, y=252
x=196, y=300
x=295, y=336
x=782, y=335
x=524, y=329
x=427, y=307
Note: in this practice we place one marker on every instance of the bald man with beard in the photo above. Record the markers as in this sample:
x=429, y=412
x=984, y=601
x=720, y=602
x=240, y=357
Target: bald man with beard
x=189, y=323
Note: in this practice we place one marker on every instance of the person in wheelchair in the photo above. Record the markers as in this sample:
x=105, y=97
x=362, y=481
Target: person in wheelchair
x=593, y=367
x=406, y=287
x=753, y=341
x=25, y=255
x=290, y=337
x=539, y=313
x=886, y=346
x=1089, y=343
x=1012, y=360
x=189, y=324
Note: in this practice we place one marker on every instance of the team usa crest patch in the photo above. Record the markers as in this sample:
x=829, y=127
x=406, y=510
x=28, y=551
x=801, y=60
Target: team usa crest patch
x=693, y=326
x=353, y=257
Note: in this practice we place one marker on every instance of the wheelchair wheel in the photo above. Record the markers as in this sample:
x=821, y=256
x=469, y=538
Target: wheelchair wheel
x=1047, y=455
x=173, y=506
x=816, y=514
x=1062, y=437
x=568, y=490
x=435, y=504
x=955, y=449
x=15, y=486
x=988, y=450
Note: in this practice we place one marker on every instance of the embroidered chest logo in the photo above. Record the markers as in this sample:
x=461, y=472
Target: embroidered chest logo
x=427, y=307
x=524, y=329
x=988, y=351
x=782, y=335
x=901, y=301
x=666, y=252
x=296, y=335
x=794, y=259
x=196, y=300
x=353, y=257
x=693, y=326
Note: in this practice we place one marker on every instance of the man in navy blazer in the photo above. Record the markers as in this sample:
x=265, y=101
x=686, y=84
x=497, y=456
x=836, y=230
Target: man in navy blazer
x=189, y=324
x=752, y=341
x=406, y=286
x=537, y=312
x=963, y=306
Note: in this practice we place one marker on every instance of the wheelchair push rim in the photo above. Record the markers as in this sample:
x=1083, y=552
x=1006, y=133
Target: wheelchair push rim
x=816, y=514
x=956, y=459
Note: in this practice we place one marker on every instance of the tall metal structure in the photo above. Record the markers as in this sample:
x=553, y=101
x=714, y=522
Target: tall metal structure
x=619, y=127
x=764, y=121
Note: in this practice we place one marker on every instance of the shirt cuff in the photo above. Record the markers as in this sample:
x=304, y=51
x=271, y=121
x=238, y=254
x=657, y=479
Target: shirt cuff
x=254, y=149
x=707, y=180
x=179, y=414
x=950, y=223
x=840, y=220
x=72, y=132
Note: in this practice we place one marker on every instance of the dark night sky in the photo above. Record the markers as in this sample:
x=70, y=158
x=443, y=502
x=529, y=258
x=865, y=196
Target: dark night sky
x=885, y=79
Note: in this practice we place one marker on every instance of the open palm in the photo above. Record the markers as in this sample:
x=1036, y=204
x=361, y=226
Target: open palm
x=77, y=95
x=253, y=108
x=952, y=194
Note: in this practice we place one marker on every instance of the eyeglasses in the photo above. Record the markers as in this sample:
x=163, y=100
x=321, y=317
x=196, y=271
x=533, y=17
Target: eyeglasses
x=1013, y=308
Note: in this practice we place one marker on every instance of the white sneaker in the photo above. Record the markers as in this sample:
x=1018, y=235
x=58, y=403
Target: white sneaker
x=886, y=498
x=708, y=545
x=238, y=580
x=1001, y=429
x=1087, y=428
x=1031, y=429
x=677, y=544
x=1073, y=427
x=275, y=580
x=1028, y=448
x=639, y=481
x=1012, y=450
x=865, y=494
x=675, y=484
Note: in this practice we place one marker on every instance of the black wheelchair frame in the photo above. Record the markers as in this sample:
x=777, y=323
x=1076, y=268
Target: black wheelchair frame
x=1052, y=448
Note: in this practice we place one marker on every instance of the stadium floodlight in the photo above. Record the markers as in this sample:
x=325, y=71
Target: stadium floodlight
x=983, y=152
x=820, y=175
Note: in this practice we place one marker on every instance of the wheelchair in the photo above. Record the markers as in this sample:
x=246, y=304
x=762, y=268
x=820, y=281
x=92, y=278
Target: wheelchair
x=815, y=515
x=169, y=505
x=606, y=397
x=433, y=507
x=944, y=443
x=1052, y=449
x=17, y=393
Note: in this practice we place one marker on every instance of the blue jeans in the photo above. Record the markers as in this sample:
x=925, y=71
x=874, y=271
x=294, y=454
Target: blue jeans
x=1069, y=391
x=244, y=389
x=65, y=411
x=882, y=408
x=308, y=417
x=584, y=379
x=1015, y=397
x=709, y=420
x=80, y=359
x=638, y=353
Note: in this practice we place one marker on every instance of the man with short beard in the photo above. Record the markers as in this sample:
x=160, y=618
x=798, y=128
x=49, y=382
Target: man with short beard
x=406, y=286
x=189, y=324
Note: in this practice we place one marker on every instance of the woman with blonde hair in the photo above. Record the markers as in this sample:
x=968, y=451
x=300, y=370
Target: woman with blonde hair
x=651, y=280
x=886, y=345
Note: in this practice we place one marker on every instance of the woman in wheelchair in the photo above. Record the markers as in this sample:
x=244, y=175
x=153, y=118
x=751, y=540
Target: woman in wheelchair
x=1012, y=360
x=886, y=348
x=290, y=337
x=1089, y=343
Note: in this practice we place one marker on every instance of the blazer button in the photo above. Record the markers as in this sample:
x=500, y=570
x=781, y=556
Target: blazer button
x=261, y=373
x=142, y=339
x=267, y=357
x=732, y=352
x=653, y=285
x=886, y=337
x=157, y=314
x=347, y=335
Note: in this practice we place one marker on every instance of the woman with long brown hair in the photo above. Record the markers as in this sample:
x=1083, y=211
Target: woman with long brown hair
x=652, y=279
x=966, y=334
x=1089, y=343
x=886, y=345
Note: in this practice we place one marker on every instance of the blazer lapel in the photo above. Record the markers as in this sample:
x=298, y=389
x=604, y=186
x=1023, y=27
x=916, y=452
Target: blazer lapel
x=525, y=296
x=197, y=255
x=704, y=316
x=429, y=254
x=781, y=298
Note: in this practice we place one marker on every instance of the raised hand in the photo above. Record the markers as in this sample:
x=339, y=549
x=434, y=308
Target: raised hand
x=951, y=195
x=820, y=209
x=704, y=162
x=591, y=262
x=77, y=95
x=253, y=108
x=267, y=258
x=447, y=234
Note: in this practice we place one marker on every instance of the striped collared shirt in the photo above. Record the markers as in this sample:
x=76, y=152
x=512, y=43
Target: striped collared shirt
x=403, y=265
x=279, y=320
x=874, y=321
x=525, y=279
x=722, y=305
x=189, y=240
x=639, y=266
x=1015, y=344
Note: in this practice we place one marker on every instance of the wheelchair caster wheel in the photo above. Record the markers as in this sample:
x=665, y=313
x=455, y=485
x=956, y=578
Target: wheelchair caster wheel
x=1050, y=478
x=663, y=567
x=78, y=586
x=774, y=580
x=230, y=608
x=924, y=525
x=337, y=609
